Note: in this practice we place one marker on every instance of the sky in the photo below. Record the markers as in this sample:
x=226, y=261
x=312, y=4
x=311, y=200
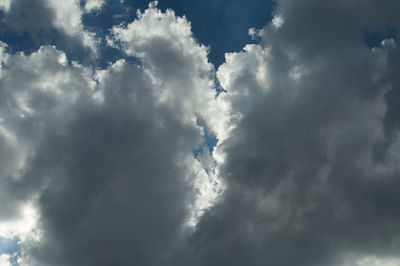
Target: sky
x=201, y=133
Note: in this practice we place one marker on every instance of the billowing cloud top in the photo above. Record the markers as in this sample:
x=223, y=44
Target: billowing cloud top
x=131, y=148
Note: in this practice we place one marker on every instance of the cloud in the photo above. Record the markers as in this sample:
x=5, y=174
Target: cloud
x=68, y=17
x=113, y=165
x=5, y=260
x=303, y=186
x=374, y=261
x=30, y=24
x=93, y=5
x=34, y=90
x=106, y=156
x=5, y=4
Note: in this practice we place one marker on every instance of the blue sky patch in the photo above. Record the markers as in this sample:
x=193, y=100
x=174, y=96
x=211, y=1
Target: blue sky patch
x=10, y=246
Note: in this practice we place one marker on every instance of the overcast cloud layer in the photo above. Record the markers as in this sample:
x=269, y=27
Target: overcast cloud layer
x=114, y=162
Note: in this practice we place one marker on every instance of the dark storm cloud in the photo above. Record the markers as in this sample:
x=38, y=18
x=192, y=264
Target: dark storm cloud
x=392, y=96
x=303, y=187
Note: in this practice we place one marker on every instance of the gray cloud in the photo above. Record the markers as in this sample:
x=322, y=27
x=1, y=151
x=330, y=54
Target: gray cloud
x=303, y=186
x=106, y=156
x=116, y=191
x=308, y=149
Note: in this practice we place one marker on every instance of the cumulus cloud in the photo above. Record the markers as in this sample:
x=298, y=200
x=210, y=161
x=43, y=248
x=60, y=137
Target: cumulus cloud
x=303, y=182
x=106, y=156
x=113, y=165
x=68, y=17
x=31, y=24
x=177, y=64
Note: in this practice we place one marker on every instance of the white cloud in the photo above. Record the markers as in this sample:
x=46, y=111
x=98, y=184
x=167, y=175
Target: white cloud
x=93, y=5
x=36, y=88
x=170, y=97
x=23, y=227
x=5, y=260
x=277, y=21
x=68, y=17
x=245, y=78
x=5, y=5
x=373, y=261
x=181, y=77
